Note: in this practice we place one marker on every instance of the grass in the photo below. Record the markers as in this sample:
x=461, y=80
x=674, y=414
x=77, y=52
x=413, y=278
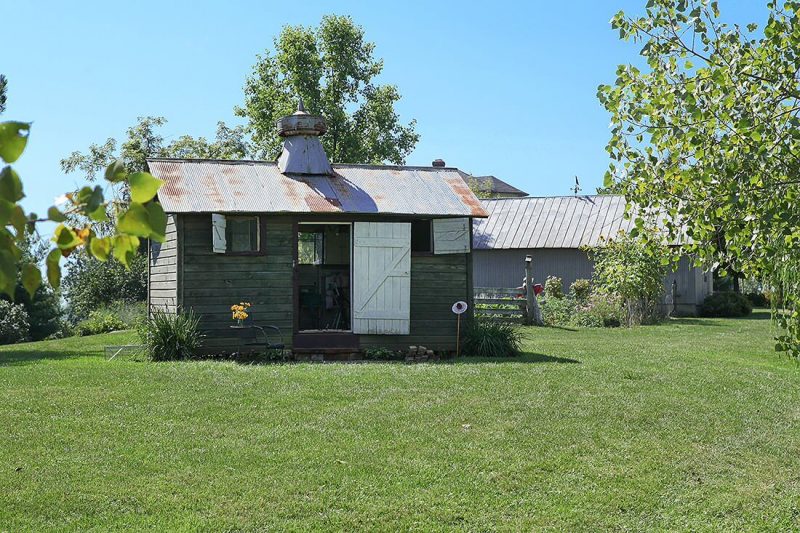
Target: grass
x=693, y=425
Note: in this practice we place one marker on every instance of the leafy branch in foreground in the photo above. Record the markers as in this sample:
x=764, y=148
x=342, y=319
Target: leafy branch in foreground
x=143, y=217
x=706, y=138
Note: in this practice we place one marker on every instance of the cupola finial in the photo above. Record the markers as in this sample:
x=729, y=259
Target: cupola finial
x=302, y=150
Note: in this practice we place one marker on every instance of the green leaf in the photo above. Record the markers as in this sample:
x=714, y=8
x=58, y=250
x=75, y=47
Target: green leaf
x=53, y=269
x=31, y=278
x=99, y=214
x=8, y=272
x=135, y=221
x=125, y=247
x=90, y=199
x=158, y=221
x=55, y=215
x=100, y=247
x=6, y=208
x=115, y=172
x=10, y=185
x=19, y=221
x=143, y=186
x=65, y=238
x=13, y=138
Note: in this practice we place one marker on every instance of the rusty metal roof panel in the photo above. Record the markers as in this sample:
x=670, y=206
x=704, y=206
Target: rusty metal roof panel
x=555, y=222
x=211, y=186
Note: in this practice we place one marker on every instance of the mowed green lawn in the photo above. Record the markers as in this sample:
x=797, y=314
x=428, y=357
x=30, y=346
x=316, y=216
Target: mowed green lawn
x=693, y=425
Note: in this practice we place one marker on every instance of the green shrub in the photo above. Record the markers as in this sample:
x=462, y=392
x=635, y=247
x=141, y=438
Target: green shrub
x=599, y=311
x=90, y=284
x=99, y=321
x=171, y=336
x=554, y=287
x=632, y=270
x=383, y=354
x=130, y=313
x=725, y=304
x=491, y=339
x=14, y=325
x=758, y=299
x=580, y=290
x=557, y=311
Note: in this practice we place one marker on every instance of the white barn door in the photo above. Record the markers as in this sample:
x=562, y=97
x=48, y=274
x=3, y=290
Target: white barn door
x=381, y=278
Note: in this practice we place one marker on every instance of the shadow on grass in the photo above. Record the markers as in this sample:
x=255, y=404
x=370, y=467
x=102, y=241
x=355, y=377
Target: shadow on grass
x=526, y=357
x=22, y=356
x=758, y=314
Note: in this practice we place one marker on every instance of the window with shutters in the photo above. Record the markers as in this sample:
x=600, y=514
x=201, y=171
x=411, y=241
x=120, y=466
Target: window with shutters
x=235, y=234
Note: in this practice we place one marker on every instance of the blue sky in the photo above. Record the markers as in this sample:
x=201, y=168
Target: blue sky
x=496, y=88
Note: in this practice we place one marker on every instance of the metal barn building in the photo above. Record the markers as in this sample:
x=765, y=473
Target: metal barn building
x=553, y=231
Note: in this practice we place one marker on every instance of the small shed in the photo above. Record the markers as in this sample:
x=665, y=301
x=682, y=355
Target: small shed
x=554, y=231
x=340, y=257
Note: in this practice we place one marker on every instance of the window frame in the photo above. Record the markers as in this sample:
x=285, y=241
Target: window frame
x=260, y=249
x=422, y=253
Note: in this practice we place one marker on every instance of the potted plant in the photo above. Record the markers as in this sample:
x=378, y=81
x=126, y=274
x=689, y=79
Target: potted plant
x=239, y=313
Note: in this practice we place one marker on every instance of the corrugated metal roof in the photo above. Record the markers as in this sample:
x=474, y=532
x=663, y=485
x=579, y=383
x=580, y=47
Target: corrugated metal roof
x=555, y=222
x=213, y=186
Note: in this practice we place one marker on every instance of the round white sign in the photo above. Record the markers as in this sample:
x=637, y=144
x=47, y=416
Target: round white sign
x=459, y=307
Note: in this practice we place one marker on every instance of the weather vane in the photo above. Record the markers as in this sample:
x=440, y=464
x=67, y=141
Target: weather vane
x=577, y=188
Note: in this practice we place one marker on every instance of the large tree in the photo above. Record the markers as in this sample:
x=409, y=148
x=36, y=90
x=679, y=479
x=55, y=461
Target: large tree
x=333, y=68
x=143, y=140
x=706, y=136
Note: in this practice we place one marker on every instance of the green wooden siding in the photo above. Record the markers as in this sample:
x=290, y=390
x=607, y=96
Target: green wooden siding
x=212, y=282
x=162, y=289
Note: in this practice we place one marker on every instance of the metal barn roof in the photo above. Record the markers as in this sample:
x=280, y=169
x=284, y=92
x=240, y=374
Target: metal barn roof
x=216, y=186
x=554, y=222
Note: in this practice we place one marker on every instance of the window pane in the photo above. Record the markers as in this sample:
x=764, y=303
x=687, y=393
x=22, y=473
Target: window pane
x=242, y=234
x=309, y=247
x=421, y=236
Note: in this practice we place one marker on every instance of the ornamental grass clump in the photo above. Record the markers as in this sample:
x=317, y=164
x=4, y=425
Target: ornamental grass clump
x=171, y=336
x=491, y=339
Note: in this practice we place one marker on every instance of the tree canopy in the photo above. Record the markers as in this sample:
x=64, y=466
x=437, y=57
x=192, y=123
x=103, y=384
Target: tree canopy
x=706, y=134
x=333, y=68
x=143, y=140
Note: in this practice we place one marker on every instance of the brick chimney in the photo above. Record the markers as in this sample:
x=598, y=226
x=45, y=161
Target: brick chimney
x=302, y=151
x=438, y=163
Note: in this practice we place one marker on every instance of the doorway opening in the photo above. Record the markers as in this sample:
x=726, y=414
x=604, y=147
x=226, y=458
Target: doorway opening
x=323, y=273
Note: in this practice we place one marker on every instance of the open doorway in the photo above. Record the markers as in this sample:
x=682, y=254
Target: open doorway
x=323, y=273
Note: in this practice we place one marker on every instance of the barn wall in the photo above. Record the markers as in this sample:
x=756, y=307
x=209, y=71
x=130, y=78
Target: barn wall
x=506, y=268
x=212, y=282
x=162, y=289
x=437, y=282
